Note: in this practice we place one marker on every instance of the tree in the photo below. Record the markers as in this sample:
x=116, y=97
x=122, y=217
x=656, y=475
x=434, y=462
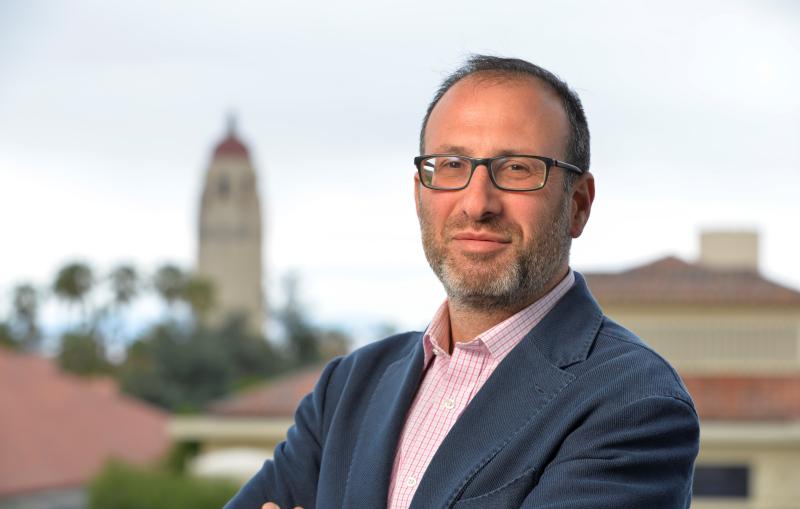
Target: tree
x=7, y=339
x=124, y=285
x=198, y=293
x=123, y=282
x=72, y=285
x=183, y=370
x=83, y=354
x=302, y=337
x=169, y=282
x=25, y=316
x=253, y=357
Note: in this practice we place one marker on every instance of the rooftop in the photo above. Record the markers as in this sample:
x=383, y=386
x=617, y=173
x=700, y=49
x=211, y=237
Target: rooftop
x=275, y=398
x=231, y=146
x=745, y=398
x=57, y=430
x=671, y=280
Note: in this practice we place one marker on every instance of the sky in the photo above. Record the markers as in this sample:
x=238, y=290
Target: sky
x=109, y=112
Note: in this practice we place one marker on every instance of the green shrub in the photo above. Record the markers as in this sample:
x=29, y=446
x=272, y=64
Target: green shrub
x=121, y=486
x=179, y=455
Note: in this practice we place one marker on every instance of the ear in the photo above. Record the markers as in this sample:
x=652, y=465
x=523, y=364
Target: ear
x=417, y=187
x=581, y=198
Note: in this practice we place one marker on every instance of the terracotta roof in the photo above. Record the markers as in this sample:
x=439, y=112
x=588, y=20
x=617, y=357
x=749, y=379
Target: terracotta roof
x=746, y=398
x=674, y=281
x=231, y=146
x=278, y=398
x=57, y=430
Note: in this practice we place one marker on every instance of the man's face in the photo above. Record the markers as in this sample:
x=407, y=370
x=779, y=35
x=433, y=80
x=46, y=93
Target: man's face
x=496, y=249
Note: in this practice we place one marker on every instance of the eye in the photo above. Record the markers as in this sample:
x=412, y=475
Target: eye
x=452, y=163
x=515, y=166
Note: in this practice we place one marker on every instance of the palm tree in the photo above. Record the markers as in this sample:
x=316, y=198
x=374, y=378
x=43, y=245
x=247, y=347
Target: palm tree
x=302, y=335
x=81, y=350
x=169, y=281
x=198, y=292
x=72, y=285
x=124, y=285
x=26, y=311
x=124, y=282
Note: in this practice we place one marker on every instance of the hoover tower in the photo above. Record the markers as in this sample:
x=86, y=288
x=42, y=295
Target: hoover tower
x=229, y=236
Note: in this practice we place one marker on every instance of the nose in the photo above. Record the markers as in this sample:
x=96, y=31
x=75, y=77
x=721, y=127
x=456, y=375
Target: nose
x=480, y=199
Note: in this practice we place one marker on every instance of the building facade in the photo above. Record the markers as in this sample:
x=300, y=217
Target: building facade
x=734, y=337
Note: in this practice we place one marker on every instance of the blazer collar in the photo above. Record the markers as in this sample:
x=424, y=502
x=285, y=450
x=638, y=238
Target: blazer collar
x=566, y=334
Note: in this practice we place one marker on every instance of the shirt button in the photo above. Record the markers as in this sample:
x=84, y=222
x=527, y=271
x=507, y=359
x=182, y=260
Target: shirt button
x=449, y=403
x=411, y=481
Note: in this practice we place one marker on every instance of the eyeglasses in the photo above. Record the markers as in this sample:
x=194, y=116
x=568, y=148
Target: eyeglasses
x=450, y=172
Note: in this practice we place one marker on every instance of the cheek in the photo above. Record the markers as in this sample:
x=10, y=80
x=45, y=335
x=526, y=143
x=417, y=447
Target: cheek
x=434, y=212
x=532, y=218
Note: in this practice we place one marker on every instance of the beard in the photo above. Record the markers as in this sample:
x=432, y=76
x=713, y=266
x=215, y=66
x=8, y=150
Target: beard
x=488, y=284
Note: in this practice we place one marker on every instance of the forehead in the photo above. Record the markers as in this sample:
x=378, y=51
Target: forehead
x=490, y=110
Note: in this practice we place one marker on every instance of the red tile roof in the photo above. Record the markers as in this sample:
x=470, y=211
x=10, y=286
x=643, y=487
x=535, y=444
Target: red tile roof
x=674, y=281
x=278, y=398
x=57, y=430
x=745, y=398
x=231, y=146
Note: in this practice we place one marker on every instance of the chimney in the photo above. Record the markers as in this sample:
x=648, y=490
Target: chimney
x=729, y=250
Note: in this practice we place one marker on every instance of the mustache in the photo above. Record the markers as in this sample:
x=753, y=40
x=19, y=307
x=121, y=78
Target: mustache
x=491, y=224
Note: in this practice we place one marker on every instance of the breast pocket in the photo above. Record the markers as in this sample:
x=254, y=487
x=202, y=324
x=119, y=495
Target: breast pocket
x=506, y=496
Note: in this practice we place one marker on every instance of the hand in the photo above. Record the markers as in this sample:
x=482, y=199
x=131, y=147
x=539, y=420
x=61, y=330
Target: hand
x=273, y=505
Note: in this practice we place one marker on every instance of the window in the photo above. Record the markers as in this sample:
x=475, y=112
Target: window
x=730, y=481
x=223, y=186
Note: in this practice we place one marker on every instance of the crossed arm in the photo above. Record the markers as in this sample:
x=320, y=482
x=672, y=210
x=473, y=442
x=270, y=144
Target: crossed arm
x=638, y=456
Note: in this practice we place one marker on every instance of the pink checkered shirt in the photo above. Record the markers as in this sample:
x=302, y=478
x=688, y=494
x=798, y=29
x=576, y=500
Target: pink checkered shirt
x=450, y=383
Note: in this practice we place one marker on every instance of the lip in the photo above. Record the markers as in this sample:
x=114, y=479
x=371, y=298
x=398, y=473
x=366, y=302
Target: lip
x=480, y=242
x=481, y=237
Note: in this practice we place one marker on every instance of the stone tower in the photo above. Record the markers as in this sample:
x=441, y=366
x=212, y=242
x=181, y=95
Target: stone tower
x=229, y=236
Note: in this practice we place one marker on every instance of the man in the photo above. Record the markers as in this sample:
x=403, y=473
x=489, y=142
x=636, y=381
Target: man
x=520, y=393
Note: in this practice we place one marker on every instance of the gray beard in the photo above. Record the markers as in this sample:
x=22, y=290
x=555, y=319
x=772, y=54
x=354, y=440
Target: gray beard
x=501, y=287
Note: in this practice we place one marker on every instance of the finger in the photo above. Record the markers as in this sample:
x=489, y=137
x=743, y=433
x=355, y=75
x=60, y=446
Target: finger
x=270, y=505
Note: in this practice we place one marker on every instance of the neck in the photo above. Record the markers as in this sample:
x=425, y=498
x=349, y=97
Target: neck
x=466, y=322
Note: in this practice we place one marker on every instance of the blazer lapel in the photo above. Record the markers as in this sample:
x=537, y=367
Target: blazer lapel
x=525, y=382
x=373, y=457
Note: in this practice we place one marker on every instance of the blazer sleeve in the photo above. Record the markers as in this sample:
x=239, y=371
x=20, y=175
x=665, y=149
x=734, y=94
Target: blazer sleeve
x=640, y=455
x=290, y=478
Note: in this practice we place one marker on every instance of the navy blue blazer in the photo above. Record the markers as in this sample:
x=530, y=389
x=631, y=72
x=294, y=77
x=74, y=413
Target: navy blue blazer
x=581, y=414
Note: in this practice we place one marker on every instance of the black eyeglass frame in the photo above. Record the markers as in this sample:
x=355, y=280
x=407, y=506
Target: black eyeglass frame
x=487, y=161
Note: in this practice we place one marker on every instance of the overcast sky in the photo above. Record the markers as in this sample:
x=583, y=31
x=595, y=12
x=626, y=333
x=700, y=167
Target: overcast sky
x=109, y=112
